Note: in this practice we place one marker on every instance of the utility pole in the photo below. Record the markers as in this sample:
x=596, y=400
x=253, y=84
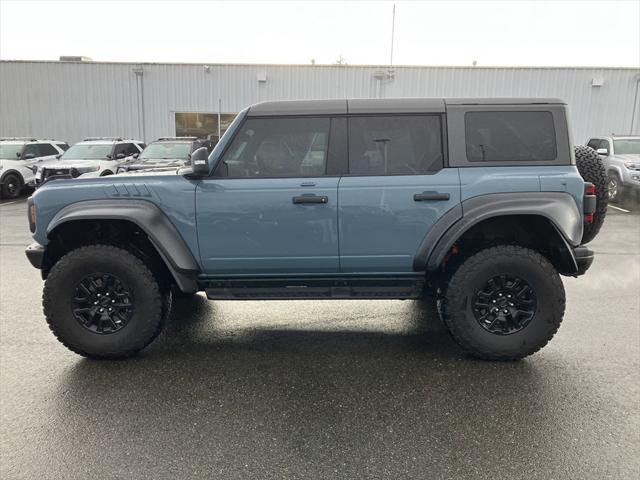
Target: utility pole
x=393, y=28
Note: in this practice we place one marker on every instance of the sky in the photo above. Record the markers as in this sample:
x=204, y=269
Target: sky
x=491, y=33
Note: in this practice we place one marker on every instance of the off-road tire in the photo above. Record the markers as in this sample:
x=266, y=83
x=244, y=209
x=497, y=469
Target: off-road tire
x=473, y=273
x=151, y=307
x=11, y=186
x=592, y=170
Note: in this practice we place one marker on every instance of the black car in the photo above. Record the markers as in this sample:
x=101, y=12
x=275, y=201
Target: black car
x=164, y=153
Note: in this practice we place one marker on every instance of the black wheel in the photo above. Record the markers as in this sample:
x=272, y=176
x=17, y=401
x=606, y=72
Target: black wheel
x=592, y=170
x=11, y=186
x=105, y=173
x=503, y=303
x=614, y=188
x=103, y=302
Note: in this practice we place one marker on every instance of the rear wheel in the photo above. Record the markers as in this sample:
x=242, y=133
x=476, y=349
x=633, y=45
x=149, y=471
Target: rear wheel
x=11, y=186
x=504, y=303
x=103, y=302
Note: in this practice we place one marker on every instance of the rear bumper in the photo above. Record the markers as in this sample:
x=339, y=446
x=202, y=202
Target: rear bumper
x=584, y=259
x=35, y=254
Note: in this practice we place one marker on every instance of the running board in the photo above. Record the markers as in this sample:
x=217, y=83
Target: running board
x=316, y=289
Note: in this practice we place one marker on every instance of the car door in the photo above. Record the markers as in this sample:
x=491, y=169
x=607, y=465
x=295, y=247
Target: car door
x=270, y=207
x=396, y=190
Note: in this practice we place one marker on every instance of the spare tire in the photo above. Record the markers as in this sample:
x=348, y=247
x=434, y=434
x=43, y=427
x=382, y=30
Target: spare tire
x=592, y=170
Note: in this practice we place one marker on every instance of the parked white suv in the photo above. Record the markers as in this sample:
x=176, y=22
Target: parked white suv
x=621, y=158
x=99, y=155
x=18, y=158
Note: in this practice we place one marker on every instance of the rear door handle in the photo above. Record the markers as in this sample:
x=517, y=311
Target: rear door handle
x=426, y=196
x=311, y=198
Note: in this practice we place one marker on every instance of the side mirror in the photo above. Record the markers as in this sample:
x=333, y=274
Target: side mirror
x=603, y=151
x=29, y=156
x=199, y=164
x=58, y=156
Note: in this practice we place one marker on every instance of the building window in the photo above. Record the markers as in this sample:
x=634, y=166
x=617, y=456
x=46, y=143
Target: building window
x=202, y=125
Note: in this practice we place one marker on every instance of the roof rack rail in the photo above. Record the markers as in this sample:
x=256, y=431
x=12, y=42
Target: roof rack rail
x=176, y=138
x=115, y=139
x=28, y=139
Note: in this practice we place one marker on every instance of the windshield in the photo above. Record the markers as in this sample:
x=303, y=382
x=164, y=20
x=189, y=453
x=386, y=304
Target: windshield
x=626, y=146
x=10, y=151
x=166, y=151
x=87, y=151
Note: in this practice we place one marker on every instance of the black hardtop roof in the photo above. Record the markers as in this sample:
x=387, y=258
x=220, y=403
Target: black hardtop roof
x=383, y=105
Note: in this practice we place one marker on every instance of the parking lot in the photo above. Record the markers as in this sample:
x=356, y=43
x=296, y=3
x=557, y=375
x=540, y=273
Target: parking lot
x=327, y=389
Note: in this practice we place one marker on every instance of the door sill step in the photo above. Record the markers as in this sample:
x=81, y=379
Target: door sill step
x=315, y=289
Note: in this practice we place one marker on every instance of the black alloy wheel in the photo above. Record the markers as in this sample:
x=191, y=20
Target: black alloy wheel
x=102, y=303
x=505, y=305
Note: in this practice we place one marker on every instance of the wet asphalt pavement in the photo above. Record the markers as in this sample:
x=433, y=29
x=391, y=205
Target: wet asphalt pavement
x=326, y=389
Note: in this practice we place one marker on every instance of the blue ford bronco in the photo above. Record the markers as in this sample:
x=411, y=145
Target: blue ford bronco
x=477, y=203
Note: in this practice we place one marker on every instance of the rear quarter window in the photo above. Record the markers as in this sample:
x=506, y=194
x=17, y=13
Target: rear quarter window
x=510, y=136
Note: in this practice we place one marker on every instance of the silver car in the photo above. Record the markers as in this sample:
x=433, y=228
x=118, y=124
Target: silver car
x=621, y=158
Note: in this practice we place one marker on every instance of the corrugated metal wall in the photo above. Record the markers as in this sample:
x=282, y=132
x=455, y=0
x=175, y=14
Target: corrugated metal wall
x=72, y=100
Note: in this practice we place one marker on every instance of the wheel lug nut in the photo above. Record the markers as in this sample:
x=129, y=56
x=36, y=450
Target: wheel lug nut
x=102, y=309
x=499, y=294
x=510, y=304
x=505, y=310
x=98, y=294
x=95, y=303
x=113, y=301
x=493, y=301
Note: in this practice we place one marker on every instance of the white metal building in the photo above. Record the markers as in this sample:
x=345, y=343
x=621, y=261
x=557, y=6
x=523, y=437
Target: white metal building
x=73, y=100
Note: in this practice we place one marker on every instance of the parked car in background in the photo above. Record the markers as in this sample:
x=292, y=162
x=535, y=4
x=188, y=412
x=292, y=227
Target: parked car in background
x=19, y=156
x=165, y=153
x=621, y=158
x=100, y=155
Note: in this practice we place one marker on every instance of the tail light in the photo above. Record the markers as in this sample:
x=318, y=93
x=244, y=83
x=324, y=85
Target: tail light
x=589, y=189
x=588, y=217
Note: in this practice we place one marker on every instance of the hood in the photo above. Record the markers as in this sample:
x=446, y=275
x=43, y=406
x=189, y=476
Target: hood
x=148, y=172
x=80, y=165
x=628, y=157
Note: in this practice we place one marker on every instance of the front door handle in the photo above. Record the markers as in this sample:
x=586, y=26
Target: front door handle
x=311, y=198
x=426, y=196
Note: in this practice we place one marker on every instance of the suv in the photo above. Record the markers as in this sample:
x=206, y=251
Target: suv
x=476, y=202
x=621, y=158
x=98, y=154
x=19, y=158
x=165, y=153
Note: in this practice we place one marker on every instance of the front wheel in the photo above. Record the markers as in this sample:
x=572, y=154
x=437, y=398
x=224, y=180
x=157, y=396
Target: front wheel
x=504, y=303
x=614, y=188
x=11, y=186
x=102, y=301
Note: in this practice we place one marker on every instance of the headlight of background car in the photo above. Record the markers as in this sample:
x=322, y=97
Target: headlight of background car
x=632, y=165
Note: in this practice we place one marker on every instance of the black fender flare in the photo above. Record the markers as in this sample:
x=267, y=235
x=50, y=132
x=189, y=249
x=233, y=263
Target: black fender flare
x=149, y=218
x=558, y=207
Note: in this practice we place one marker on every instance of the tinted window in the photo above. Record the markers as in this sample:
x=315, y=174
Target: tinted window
x=47, y=149
x=395, y=145
x=279, y=147
x=63, y=146
x=126, y=148
x=594, y=143
x=510, y=136
x=31, y=149
x=604, y=144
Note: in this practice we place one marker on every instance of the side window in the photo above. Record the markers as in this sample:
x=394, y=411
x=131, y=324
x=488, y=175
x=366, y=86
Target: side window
x=126, y=149
x=32, y=151
x=141, y=146
x=594, y=143
x=510, y=136
x=604, y=144
x=63, y=146
x=400, y=145
x=46, y=149
x=279, y=147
